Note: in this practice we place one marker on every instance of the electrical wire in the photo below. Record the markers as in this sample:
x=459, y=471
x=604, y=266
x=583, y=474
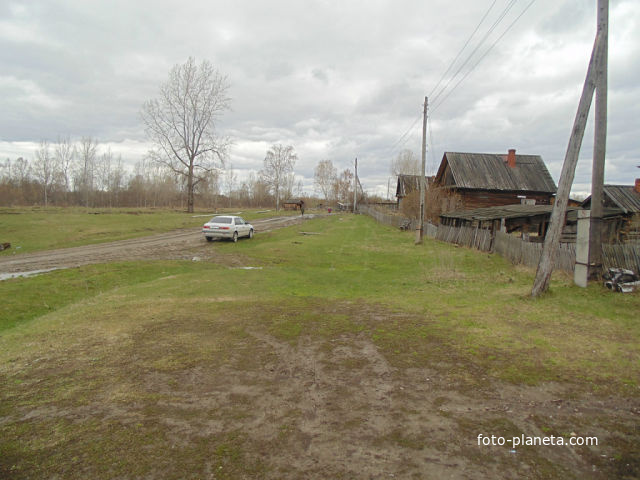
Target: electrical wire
x=462, y=49
x=437, y=105
x=470, y=56
x=403, y=138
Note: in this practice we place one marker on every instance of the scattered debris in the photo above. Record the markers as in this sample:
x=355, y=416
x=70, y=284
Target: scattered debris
x=621, y=280
x=310, y=233
x=5, y=246
x=247, y=268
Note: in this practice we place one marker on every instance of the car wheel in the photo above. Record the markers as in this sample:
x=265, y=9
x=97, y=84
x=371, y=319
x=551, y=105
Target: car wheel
x=251, y=233
x=209, y=239
x=235, y=237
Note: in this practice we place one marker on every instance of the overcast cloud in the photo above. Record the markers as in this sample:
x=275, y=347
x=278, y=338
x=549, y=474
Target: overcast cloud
x=335, y=79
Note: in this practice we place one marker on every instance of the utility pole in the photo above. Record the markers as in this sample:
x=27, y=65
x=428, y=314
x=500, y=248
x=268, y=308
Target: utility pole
x=558, y=214
x=420, y=229
x=355, y=186
x=600, y=148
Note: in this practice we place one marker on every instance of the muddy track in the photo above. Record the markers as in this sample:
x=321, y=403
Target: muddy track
x=170, y=245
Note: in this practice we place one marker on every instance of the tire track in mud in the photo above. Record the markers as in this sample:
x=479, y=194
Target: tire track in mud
x=169, y=245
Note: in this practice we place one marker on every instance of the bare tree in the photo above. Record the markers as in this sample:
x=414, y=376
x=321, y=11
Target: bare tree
x=182, y=122
x=86, y=159
x=278, y=164
x=324, y=178
x=407, y=163
x=343, y=186
x=64, y=152
x=21, y=171
x=44, y=169
x=230, y=178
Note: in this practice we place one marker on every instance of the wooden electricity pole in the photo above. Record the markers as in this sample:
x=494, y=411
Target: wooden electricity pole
x=558, y=214
x=355, y=186
x=420, y=229
x=599, y=148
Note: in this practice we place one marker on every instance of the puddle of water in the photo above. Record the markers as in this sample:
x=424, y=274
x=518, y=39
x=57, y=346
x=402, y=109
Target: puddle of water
x=32, y=273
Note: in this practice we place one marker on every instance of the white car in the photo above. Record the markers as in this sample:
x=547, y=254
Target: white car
x=227, y=226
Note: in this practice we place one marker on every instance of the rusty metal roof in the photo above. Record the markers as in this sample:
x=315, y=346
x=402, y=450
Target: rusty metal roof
x=487, y=171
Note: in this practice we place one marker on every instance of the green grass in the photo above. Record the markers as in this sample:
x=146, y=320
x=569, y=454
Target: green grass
x=476, y=303
x=131, y=336
x=32, y=229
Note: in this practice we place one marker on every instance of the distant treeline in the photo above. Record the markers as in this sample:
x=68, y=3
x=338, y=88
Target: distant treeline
x=78, y=174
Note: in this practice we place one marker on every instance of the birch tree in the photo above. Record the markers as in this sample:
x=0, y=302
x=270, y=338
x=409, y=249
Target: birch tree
x=278, y=164
x=44, y=169
x=64, y=153
x=181, y=122
x=87, y=150
x=324, y=178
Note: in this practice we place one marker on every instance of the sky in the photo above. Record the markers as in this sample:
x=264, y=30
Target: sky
x=335, y=79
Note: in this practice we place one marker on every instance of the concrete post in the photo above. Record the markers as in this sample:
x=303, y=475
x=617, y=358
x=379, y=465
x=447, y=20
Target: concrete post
x=581, y=271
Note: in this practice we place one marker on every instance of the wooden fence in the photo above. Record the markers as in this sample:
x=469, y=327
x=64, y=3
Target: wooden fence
x=477, y=238
x=528, y=253
x=622, y=256
x=514, y=248
x=398, y=221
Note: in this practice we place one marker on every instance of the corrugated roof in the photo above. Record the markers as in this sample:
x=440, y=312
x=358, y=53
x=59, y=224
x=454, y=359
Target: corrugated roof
x=487, y=171
x=624, y=196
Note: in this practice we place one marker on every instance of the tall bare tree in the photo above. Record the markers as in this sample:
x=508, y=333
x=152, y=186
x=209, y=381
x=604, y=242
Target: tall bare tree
x=324, y=178
x=278, y=164
x=44, y=169
x=87, y=150
x=182, y=122
x=407, y=163
x=64, y=153
x=343, y=186
x=230, y=179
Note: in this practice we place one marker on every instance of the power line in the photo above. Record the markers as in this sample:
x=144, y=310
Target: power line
x=483, y=55
x=462, y=49
x=470, y=56
x=403, y=138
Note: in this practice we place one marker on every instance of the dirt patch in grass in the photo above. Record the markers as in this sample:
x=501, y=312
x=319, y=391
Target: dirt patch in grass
x=235, y=388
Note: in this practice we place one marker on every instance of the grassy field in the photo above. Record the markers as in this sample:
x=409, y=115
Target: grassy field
x=31, y=229
x=347, y=354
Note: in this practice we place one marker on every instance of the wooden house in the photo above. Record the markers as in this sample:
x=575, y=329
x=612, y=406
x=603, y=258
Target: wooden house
x=408, y=184
x=626, y=198
x=476, y=180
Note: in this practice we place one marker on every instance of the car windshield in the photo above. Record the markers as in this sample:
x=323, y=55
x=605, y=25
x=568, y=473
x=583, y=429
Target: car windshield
x=221, y=220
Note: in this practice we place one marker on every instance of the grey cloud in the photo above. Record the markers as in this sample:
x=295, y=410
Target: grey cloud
x=336, y=80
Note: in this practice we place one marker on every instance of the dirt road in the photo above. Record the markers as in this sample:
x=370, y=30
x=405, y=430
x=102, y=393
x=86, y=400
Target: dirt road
x=171, y=245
